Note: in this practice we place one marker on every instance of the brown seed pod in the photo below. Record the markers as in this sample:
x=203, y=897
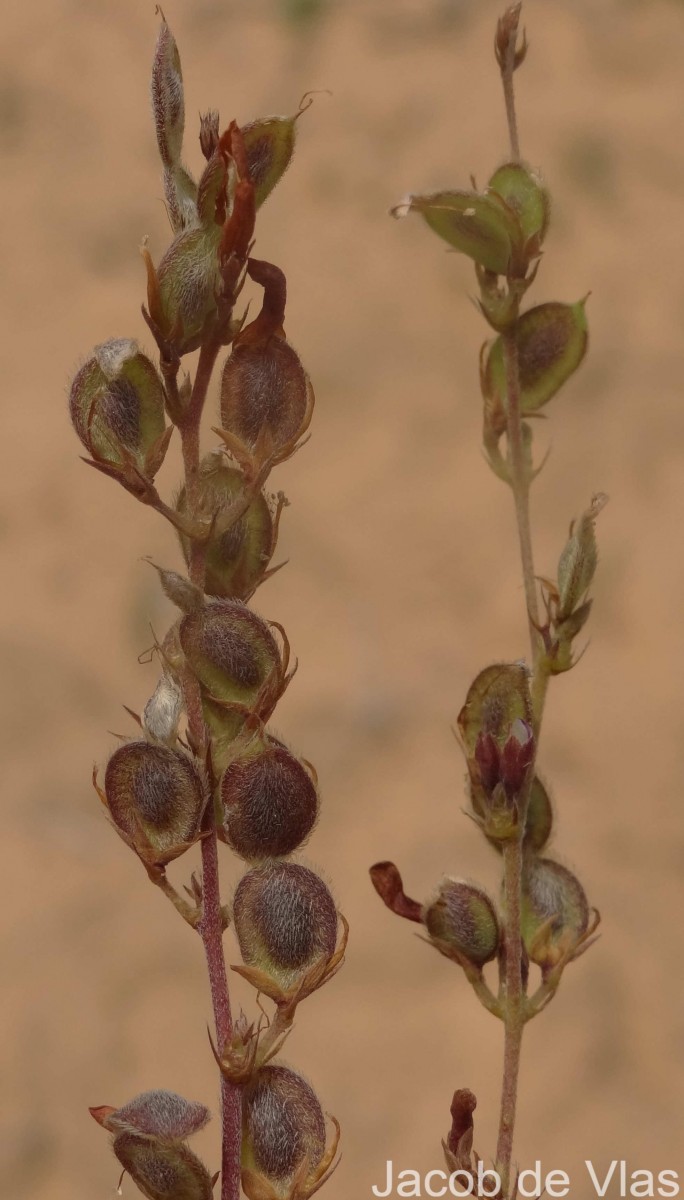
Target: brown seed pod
x=160, y=1115
x=285, y=920
x=156, y=798
x=462, y=918
x=269, y=802
x=162, y=1171
x=283, y=1127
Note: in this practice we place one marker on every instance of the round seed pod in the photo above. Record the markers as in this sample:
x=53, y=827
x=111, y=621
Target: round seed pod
x=163, y=1116
x=464, y=919
x=162, y=1171
x=269, y=802
x=231, y=651
x=238, y=551
x=156, y=798
x=555, y=911
x=116, y=403
x=265, y=394
x=283, y=1124
x=285, y=920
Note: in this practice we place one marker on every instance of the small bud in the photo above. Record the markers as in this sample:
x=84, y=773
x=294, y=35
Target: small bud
x=555, y=912
x=243, y=534
x=209, y=132
x=159, y=1115
x=117, y=404
x=506, y=38
x=162, y=713
x=579, y=559
x=269, y=802
x=179, y=590
x=285, y=920
x=459, y=1143
x=269, y=143
x=168, y=105
x=266, y=396
x=234, y=655
x=479, y=225
x=389, y=885
x=463, y=919
x=162, y=1171
x=156, y=798
x=523, y=190
x=283, y=1128
x=552, y=341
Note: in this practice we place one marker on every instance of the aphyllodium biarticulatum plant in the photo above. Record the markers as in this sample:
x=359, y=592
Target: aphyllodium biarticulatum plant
x=202, y=765
x=542, y=921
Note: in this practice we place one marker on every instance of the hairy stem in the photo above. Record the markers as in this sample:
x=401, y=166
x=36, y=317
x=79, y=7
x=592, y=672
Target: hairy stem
x=514, y=1012
x=507, y=72
x=520, y=485
x=210, y=926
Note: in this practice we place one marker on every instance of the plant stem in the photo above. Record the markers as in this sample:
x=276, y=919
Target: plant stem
x=514, y=1016
x=521, y=487
x=210, y=926
x=507, y=72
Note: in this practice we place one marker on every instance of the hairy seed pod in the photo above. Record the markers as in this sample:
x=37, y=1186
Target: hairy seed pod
x=555, y=912
x=116, y=403
x=156, y=799
x=269, y=802
x=285, y=920
x=187, y=283
x=283, y=1125
x=162, y=1171
x=168, y=104
x=579, y=559
x=265, y=394
x=463, y=918
x=232, y=652
x=159, y=1115
x=269, y=144
x=241, y=543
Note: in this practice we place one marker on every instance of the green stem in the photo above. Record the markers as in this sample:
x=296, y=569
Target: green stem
x=520, y=485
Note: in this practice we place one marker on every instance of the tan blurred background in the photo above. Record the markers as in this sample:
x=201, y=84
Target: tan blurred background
x=403, y=578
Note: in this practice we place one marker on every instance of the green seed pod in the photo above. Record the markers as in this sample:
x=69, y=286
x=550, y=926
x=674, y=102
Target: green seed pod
x=579, y=559
x=161, y=1171
x=285, y=920
x=233, y=654
x=269, y=802
x=168, y=104
x=156, y=799
x=524, y=192
x=159, y=1115
x=242, y=540
x=498, y=696
x=116, y=403
x=187, y=283
x=266, y=396
x=539, y=819
x=463, y=918
x=552, y=341
x=269, y=144
x=479, y=225
x=283, y=1126
x=555, y=912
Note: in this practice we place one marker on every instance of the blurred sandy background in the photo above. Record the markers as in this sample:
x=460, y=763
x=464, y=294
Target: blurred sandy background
x=403, y=577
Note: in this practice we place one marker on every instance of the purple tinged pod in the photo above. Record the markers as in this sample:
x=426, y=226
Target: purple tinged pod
x=243, y=535
x=283, y=1128
x=162, y=1171
x=116, y=404
x=552, y=341
x=156, y=799
x=269, y=802
x=285, y=920
x=462, y=918
x=160, y=1115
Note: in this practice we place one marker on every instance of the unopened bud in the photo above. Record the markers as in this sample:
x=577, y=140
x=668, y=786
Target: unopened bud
x=285, y=920
x=117, y=404
x=168, y=105
x=578, y=561
x=242, y=537
x=209, y=132
x=283, y=1128
x=156, y=798
x=555, y=912
x=159, y=1115
x=269, y=802
x=162, y=1171
x=463, y=919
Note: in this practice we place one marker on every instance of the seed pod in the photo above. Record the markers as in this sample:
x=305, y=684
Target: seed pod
x=269, y=802
x=265, y=394
x=285, y=920
x=463, y=918
x=161, y=1171
x=480, y=225
x=555, y=912
x=552, y=341
x=182, y=291
x=524, y=192
x=168, y=104
x=160, y=1115
x=283, y=1127
x=116, y=403
x=496, y=698
x=579, y=559
x=234, y=655
x=156, y=799
x=269, y=143
x=242, y=540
